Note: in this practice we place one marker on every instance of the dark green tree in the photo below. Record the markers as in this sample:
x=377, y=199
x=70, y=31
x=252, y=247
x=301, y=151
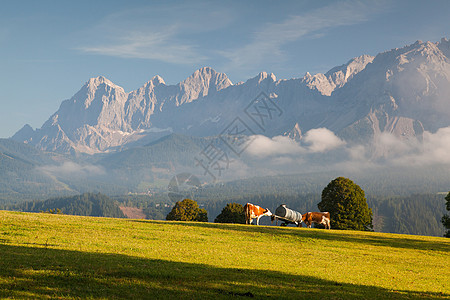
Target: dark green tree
x=187, y=210
x=232, y=213
x=347, y=205
x=446, y=218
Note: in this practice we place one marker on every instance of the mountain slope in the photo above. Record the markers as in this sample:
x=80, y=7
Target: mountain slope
x=21, y=176
x=27, y=173
x=144, y=166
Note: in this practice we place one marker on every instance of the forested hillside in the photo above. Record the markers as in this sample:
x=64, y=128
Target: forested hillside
x=415, y=214
x=87, y=204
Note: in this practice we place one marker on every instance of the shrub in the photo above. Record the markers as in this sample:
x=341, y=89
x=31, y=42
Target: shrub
x=187, y=210
x=232, y=213
x=347, y=205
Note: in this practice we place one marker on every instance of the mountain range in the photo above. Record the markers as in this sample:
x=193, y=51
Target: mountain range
x=403, y=92
x=381, y=120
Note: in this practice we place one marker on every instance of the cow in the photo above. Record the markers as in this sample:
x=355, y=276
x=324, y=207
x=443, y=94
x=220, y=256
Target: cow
x=317, y=217
x=255, y=212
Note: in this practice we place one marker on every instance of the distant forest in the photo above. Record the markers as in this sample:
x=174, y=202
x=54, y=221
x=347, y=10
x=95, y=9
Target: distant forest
x=87, y=204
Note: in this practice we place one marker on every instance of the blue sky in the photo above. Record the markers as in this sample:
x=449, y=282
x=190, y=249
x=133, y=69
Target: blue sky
x=49, y=49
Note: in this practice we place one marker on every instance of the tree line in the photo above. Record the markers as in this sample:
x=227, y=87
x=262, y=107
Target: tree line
x=423, y=214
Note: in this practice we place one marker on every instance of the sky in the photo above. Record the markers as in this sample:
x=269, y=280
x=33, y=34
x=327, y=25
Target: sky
x=50, y=49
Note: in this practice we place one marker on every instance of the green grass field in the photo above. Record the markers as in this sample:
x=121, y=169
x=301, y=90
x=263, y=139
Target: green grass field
x=71, y=257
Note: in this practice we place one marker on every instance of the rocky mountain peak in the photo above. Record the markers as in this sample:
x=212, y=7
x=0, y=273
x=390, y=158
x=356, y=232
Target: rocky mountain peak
x=263, y=79
x=94, y=83
x=337, y=77
x=24, y=133
x=208, y=77
x=157, y=80
x=152, y=83
x=444, y=46
x=318, y=82
x=425, y=51
x=295, y=133
x=264, y=75
x=415, y=54
x=341, y=75
x=202, y=82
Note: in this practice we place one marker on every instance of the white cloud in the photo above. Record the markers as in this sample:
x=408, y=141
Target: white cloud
x=157, y=45
x=314, y=141
x=167, y=33
x=434, y=150
x=322, y=140
x=268, y=42
x=262, y=146
x=388, y=150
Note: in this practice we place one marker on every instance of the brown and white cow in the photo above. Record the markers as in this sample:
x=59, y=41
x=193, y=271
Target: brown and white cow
x=255, y=212
x=317, y=217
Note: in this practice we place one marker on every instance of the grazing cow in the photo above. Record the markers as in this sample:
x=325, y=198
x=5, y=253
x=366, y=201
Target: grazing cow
x=255, y=212
x=317, y=217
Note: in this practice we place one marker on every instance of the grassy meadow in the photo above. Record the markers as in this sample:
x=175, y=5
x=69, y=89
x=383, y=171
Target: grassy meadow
x=71, y=257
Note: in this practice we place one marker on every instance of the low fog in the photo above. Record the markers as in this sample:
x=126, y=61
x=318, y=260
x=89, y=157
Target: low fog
x=405, y=162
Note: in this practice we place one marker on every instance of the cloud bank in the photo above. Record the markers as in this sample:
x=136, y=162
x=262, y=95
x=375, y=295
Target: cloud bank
x=318, y=140
x=320, y=149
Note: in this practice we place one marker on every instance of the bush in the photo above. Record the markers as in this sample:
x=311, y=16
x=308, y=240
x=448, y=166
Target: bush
x=232, y=213
x=347, y=205
x=187, y=210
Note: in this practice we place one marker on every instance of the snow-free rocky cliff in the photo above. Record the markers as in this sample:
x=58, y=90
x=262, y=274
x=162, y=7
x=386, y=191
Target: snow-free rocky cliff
x=402, y=91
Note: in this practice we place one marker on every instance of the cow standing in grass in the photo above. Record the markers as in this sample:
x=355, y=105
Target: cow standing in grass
x=255, y=212
x=318, y=218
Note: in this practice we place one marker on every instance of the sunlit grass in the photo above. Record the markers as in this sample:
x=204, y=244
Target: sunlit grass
x=45, y=255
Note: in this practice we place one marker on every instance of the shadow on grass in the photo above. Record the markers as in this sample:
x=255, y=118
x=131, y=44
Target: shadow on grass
x=30, y=272
x=406, y=242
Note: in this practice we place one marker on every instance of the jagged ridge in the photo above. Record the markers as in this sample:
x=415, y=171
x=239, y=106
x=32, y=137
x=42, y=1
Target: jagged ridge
x=403, y=91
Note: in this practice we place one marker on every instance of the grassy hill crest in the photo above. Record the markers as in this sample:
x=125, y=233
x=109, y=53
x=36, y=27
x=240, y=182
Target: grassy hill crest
x=45, y=255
